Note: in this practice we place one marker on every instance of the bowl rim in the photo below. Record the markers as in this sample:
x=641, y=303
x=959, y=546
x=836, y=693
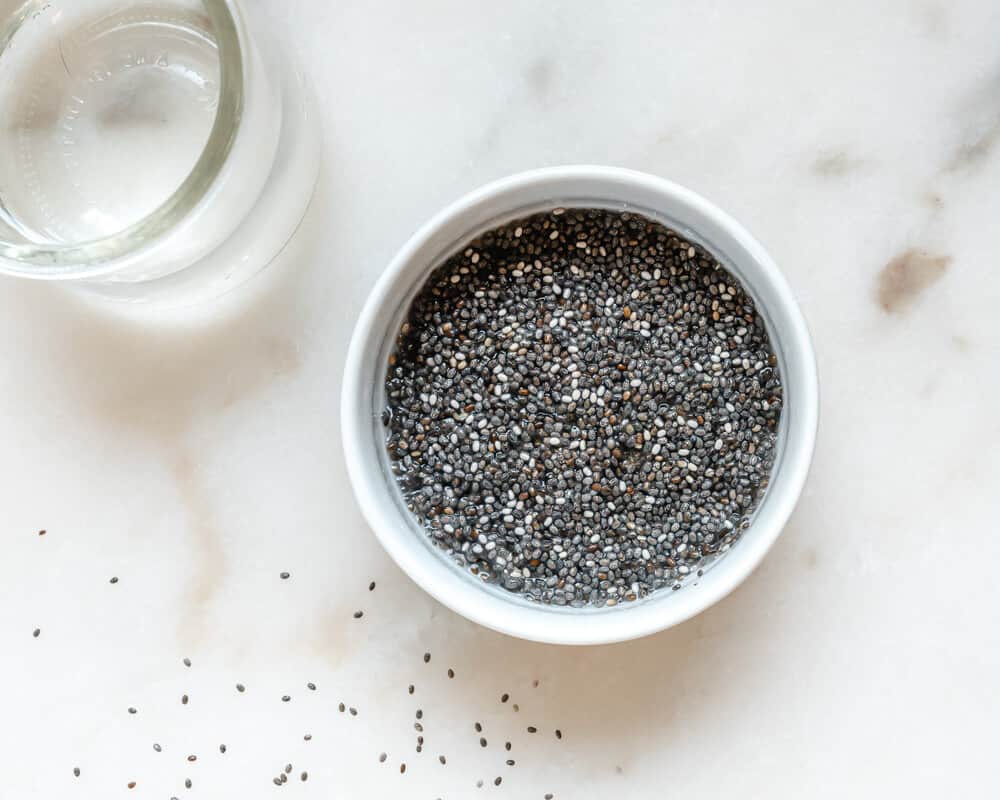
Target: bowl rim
x=538, y=622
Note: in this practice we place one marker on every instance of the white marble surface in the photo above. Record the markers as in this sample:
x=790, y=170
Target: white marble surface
x=196, y=462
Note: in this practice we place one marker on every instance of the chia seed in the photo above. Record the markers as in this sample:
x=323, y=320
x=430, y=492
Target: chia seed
x=583, y=407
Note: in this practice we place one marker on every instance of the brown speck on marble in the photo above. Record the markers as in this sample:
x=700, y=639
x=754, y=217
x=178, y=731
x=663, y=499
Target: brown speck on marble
x=810, y=559
x=902, y=280
x=209, y=558
x=933, y=201
x=835, y=164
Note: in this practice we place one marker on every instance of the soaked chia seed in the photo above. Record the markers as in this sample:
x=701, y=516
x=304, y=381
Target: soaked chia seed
x=582, y=407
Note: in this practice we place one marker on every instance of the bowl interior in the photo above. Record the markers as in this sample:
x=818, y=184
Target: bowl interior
x=364, y=400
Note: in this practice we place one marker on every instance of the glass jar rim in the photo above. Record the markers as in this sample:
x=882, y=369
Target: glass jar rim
x=97, y=256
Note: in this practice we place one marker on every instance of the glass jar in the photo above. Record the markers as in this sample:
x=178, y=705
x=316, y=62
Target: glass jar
x=150, y=150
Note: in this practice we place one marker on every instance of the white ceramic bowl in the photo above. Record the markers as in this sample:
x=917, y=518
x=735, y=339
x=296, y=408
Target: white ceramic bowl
x=364, y=395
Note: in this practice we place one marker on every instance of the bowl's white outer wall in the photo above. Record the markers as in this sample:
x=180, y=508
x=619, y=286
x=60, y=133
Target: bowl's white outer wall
x=577, y=185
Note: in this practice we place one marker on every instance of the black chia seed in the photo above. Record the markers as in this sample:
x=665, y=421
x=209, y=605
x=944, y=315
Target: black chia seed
x=582, y=406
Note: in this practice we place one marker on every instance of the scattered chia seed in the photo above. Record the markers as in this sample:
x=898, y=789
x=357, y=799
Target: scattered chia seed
x=184, y=699
x=482, y=741
x=187, y=662
x=222, y=749
x=418, y=727
x=371, y=586
x=311, y=686
x=285, y=698
x=131, y=784
x=132, y=710
x=308, y=737
x=510, y=762
x=354, y=711
x=479, y=728
x=558, y=734
x=36, y=632
x=411, y=689
x=358, y=614
x=285, y=576
x=277, y=781
x=451, y=673
x=534, y=683
x=549, y=796
x=114, y=580
x=506, y=745
x=240, y=688
x=42, y=532
x=427, y=658
x=516, y=707
x=497, y=781
x=479, y=784
x=304, y=776
x=341, y=708
x=187, y=783
x=192, y=759
x=402, y=768
x=442, y=759
x=504, y=697
x=157, y=748
x=288, y=769
x=420, y=713
x=583, y=407
x=382, y=757
x=76, y=770
x=532, y=729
